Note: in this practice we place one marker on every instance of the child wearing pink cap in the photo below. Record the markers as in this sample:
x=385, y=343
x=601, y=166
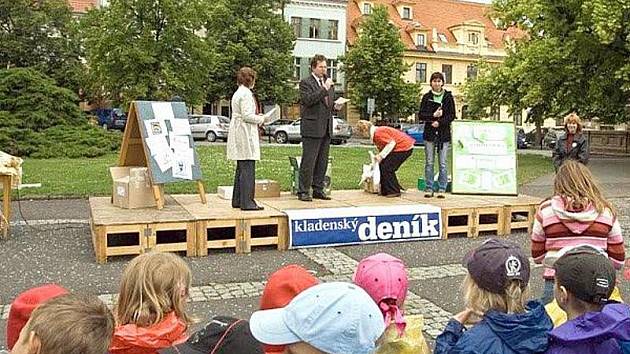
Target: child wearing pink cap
x=384, y=278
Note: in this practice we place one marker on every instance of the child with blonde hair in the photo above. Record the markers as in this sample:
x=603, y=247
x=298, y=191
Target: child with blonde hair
x=577, y=214
x=500, y=318
x=150, y=313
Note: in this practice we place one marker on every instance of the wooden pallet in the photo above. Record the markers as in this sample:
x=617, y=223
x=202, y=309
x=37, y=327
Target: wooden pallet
x=218, y=225
x=470, y=215
x=117, y=231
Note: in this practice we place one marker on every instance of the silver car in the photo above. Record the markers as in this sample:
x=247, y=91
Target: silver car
x=210, y=128
x=290, y=133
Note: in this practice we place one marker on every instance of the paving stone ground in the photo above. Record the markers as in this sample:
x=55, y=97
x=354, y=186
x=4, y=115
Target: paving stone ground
x=57, y=248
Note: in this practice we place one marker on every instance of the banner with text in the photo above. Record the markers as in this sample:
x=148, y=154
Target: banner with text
x=345, y=226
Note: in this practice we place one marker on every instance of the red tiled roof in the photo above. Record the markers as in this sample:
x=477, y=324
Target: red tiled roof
x=438, y=14
x=82, y=5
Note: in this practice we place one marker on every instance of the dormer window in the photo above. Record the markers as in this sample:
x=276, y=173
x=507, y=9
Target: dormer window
x=367, y=8
x=420, y=40
x=473, y=38
x=406, y=13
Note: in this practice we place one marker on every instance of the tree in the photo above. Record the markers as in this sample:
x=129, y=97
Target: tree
x=148, y=49
x=250, y=33
x=374, y=67
x=40, y=119
x=575, y=57
x=41, y=35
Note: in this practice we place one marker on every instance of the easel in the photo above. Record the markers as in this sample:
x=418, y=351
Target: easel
x=134, y=152
x=5, y=215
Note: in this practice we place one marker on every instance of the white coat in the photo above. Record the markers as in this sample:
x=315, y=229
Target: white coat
x=242, y=143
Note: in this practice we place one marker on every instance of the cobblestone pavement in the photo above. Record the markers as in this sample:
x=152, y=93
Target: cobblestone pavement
x=230, y=284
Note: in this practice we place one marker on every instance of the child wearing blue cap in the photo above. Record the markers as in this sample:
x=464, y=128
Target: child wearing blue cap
x=329, y=318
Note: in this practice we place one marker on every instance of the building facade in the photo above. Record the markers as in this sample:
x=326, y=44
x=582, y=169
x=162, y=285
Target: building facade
x=82, y=6
x=320, y=28
x=446, y=36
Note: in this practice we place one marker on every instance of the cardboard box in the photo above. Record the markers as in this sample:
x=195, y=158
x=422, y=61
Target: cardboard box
x=131, y=187
x=266, y=188
x=225, y=192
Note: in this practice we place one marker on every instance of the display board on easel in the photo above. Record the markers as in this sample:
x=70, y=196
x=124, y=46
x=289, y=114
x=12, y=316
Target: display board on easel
x=158, y=136
x=484, y=157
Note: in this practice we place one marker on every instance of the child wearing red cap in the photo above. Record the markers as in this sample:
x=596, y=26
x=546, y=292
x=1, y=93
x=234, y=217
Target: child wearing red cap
x=24, y=304
x=151, y=310
x=282, y=286
x=384, y=278
x=67, y=324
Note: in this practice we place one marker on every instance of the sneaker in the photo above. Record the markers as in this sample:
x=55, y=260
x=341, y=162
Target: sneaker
x=441, y=194
x=428, y=194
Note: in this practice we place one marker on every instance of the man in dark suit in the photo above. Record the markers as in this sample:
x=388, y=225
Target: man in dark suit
x=316, y=106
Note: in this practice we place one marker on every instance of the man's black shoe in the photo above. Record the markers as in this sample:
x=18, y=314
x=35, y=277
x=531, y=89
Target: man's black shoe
x=257, y=207
x=305, y=198
x=321, y=196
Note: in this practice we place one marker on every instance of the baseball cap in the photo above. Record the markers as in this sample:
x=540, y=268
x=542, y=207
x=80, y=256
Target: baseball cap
x=222, y=335
x=496, y=262
x=282, y=286
x=23, y=306
x=333, y=317
x=586, y=273
x=384, y=277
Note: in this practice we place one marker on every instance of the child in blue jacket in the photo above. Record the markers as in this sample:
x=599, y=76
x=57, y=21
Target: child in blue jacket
x=495, y=293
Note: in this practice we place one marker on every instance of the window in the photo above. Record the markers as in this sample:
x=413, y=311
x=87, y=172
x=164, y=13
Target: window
x=313, y=31
x=420, y=42
x=331, y=71
x=447, y=70
x=406, y=13
x=333, y=29
x=296, y=24
x=471, y=71
x=296, y=68
x=495, y=113
x=465, y=112
x=442, y=37
x=367, y=8
x=517, y=117
x=421, y=72
x=473, y=37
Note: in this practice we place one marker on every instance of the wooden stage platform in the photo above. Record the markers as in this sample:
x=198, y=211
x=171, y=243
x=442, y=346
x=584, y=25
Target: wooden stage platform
x=188, y=226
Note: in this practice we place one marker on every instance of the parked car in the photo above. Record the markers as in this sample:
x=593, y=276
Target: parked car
x=416, y=131
x=290, y=133
x=111, y=118
x=521, y=139
x=549, y=141
x=270, y=129
x=210, y=128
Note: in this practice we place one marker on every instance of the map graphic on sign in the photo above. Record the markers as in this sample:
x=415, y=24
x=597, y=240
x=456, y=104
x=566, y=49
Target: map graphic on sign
x=484, y=157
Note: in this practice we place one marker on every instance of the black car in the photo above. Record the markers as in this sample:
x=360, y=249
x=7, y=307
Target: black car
x=521, y=140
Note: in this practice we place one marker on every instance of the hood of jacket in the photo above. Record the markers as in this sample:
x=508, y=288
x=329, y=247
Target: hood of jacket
x=577, y=221
x=613, y=322
x=524, y=332
x=132, y=339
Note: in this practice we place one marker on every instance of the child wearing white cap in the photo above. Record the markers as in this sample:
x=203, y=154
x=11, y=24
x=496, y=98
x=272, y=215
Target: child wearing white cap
x=329, y=318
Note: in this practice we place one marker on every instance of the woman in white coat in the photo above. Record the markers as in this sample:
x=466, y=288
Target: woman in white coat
x=242, y=144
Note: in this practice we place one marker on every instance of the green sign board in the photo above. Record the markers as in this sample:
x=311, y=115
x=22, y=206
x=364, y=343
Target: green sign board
x=484, y=157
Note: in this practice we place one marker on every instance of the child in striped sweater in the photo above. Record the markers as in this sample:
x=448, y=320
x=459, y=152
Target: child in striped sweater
x=576, y=214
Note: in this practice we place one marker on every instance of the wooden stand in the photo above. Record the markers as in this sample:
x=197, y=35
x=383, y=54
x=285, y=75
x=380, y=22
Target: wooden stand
x=185, y=225
x=5, y=216
x=134, y=152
